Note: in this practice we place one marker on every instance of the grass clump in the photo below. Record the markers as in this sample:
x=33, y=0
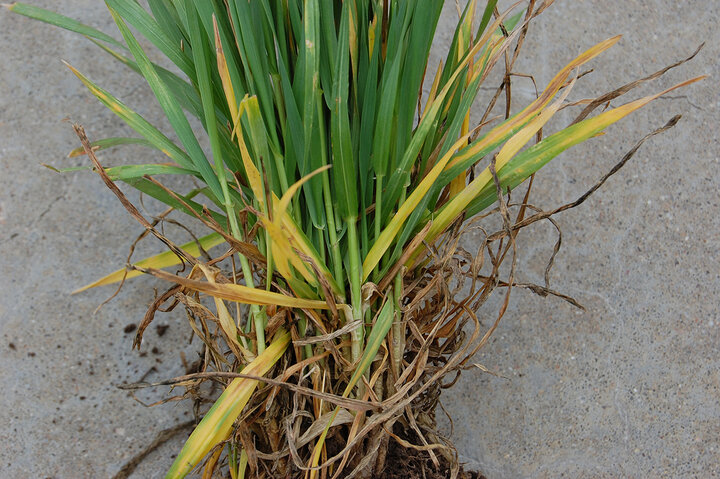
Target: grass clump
x=340, y=191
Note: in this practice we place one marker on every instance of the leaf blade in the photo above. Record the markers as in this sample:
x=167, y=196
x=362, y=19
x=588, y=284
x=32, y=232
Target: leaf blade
x=217, y=422
x=61, y=21
x=158, y=261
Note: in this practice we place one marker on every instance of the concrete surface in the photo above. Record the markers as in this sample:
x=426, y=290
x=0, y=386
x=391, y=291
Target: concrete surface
x=630, y=388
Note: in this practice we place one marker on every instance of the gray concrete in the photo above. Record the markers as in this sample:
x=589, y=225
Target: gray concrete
x=629, y=388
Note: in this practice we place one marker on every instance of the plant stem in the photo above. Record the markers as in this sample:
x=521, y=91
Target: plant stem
x=398, y=328
x=355, y=275
x=332, y=230
x=257, y=315
x=302, y=330
x=329, y=210
x=378, y=215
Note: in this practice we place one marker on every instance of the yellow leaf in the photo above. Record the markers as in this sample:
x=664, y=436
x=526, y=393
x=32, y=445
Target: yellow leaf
x=284, y=254
x=282, y=247
x=162, y=260
x=217, y=423
x=225, y=75
x=531, y=110
x=433, y=90
x=465, y=30
x=240, y=293
x=387, y=235
x=460, y=201
x=371, y=36
x=253, y=175
x=301, y=242
x=284, y=203
x=224, y=318
x=561, y=141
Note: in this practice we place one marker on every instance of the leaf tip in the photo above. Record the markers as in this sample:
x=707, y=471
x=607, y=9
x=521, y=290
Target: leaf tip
x=683, y=84
x=81, y=290
x=50, y=167
x=75, y=71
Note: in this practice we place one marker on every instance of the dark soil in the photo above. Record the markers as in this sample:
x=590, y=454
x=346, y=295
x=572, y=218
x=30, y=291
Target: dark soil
x=403, y=463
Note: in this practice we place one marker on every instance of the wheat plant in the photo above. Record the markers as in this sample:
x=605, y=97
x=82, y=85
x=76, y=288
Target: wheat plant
x=339, y=190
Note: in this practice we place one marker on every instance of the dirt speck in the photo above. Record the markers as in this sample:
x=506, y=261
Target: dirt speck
x=130, y=328
x=162, y=329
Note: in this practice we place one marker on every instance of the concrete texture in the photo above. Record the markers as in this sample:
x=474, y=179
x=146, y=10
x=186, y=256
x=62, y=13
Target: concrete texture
x=630, y=388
